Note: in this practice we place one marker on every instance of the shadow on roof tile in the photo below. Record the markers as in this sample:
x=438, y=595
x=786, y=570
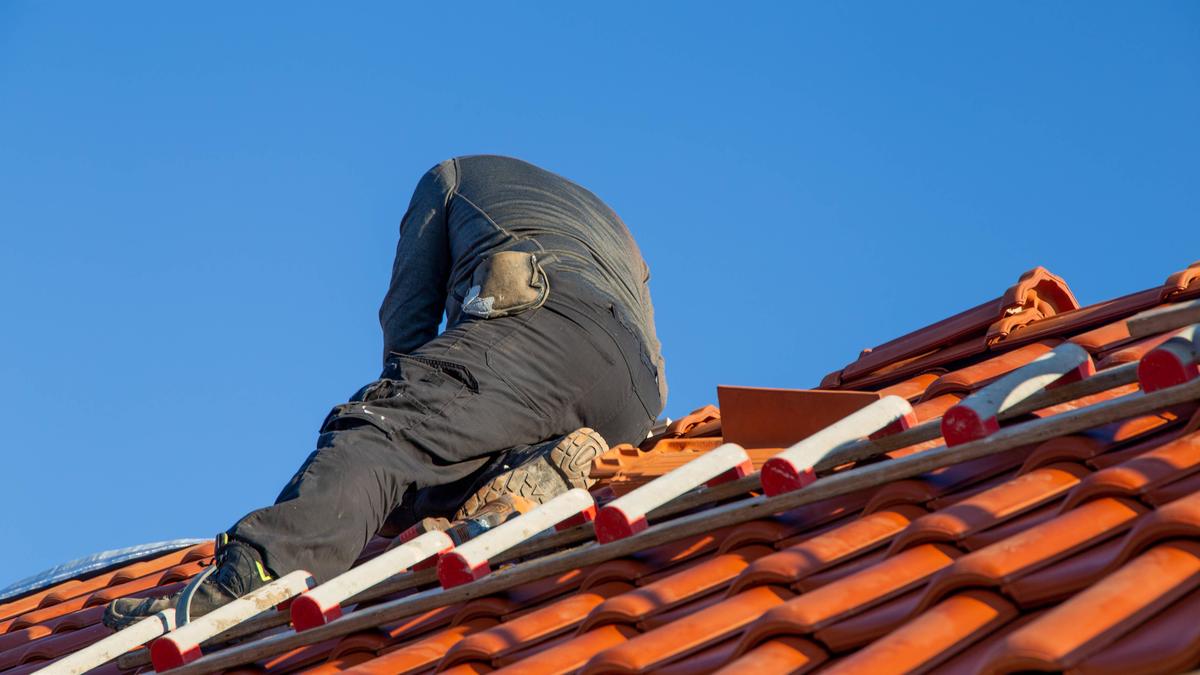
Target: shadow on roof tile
x=1091, y=620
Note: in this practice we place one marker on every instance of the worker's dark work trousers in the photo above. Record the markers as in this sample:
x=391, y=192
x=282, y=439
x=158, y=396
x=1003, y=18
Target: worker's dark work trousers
x=481, y=387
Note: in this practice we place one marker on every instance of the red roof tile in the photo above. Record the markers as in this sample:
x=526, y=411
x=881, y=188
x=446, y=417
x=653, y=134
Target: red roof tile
x=1074, y=551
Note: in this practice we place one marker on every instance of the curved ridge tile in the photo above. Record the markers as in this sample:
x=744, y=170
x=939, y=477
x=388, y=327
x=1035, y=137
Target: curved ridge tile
x=687, y=635
x=1033, y=549
x=684, y=585
x=827, y=549
x=1090, y=316
x=933, y=637
x=533, y=627
x=991, y=507
x=850, y=595
x=1181, y=283
x=1164, y=464
x=1091, y=620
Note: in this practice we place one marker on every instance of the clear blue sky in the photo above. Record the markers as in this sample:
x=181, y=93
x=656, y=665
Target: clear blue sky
x=198, y=204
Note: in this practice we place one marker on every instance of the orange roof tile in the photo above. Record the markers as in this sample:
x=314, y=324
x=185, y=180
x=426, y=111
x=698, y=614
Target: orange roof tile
x=1079, y=551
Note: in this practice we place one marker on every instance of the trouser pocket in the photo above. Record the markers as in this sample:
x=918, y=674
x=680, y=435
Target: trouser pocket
x=506, y=283
x=420, y=387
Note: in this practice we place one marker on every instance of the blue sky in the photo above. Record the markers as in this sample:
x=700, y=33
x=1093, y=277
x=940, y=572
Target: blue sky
x=198, y=204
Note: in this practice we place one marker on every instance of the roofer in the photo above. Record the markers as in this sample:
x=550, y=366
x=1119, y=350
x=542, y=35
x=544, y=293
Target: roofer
x=549, y=335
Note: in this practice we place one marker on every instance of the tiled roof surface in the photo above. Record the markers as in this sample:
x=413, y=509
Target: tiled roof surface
x=1078, y=553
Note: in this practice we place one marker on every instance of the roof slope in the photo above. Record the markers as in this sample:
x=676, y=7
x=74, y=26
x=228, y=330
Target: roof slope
x=1080, y=552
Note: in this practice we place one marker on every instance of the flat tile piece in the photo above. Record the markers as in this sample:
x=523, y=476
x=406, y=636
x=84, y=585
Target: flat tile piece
x=933, y=637
x=785, y=654
x=758, y=417
x=1094, y=618
x=688, y=634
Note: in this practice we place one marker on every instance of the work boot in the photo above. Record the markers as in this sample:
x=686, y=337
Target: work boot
x=535, y=473
x=490, y=515
x=239, y=571
x=538, y=473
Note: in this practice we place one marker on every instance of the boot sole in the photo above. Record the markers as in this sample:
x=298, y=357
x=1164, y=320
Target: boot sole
x=567, y=465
